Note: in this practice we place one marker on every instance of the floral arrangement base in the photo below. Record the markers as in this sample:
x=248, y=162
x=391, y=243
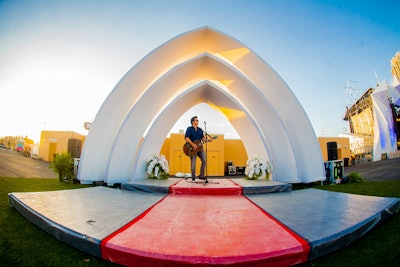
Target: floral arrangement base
x=157, y=167
x=258, y=168
x=160, y=177
x=260, y=178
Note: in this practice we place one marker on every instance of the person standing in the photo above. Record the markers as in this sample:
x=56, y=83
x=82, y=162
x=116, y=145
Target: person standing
x=194, y=134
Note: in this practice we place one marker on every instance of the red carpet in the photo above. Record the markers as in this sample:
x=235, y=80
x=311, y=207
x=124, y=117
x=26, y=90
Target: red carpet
x=205, y=230
x=214, y=187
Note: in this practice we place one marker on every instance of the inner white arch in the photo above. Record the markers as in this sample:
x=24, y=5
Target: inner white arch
x=202, y=66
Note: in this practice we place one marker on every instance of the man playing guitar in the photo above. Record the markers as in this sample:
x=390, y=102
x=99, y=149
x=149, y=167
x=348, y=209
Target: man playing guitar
x=193, y=135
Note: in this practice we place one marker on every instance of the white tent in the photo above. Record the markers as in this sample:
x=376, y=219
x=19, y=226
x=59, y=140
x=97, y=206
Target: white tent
x=200, y=66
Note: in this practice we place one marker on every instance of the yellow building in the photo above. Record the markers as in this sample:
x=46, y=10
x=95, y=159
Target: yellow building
x=342, y=147
x=219, y=152
x=55, y=142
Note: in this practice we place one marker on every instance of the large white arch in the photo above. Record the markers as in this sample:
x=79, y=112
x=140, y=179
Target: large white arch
x=200, y=66
x=170, y=83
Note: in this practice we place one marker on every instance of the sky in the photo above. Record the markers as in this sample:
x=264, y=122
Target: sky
x=59, y=60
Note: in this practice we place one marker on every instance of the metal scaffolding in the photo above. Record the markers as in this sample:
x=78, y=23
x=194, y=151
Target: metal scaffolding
x=359, y=113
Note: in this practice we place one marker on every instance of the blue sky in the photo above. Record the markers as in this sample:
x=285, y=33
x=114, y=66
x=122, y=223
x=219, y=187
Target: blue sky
x=59, y=60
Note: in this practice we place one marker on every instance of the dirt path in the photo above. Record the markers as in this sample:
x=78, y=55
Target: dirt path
x=16, y=165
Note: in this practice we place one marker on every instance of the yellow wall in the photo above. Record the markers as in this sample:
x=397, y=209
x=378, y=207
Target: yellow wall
x=165, y=149
x=179, y=162
x=219, y=152
x=235, y=152
x=55, y=142
x=343, y=146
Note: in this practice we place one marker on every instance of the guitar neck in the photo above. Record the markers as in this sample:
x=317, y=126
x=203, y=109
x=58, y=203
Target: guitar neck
x=210, y=139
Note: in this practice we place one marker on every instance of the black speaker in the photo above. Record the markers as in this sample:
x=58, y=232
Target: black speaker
x=74, y=147
x=332, y=151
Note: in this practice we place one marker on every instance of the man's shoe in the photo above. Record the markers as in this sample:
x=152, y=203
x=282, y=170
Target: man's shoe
x=193, y=179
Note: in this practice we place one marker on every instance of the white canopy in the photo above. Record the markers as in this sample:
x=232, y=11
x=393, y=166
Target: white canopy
x=200, y=66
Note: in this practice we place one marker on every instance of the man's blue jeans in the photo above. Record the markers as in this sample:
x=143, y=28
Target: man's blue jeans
x=202, y=155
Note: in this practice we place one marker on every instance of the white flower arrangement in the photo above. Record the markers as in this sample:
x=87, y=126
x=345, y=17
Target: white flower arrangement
x=257, y=167
x=157, y=167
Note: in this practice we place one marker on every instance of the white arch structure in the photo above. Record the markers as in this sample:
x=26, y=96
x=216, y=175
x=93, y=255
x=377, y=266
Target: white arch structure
x=200, y=66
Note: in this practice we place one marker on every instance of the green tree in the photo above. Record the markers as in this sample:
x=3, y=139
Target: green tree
x=63, y=165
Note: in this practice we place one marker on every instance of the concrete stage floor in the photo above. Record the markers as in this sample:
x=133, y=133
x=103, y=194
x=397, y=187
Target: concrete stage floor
x=228, y=222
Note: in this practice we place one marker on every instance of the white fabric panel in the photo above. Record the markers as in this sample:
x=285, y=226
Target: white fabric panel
x=99, y=142
x=136, y=122
x=297, y=126
x=269, y=127
x=384, y=133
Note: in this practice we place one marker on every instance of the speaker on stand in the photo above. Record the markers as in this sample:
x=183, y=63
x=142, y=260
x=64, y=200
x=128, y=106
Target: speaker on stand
x=231, y=168
x=332, y=151
x=74, y=147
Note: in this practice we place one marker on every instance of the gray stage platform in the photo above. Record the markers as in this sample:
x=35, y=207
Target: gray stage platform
x=248, y=186
x=328, y=220
x=84, y=217
x=151, y=185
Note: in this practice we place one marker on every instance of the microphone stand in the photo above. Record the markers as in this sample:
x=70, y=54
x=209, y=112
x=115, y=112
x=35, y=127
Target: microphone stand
x=206, y=171
x=180, y=166
x=206, y=134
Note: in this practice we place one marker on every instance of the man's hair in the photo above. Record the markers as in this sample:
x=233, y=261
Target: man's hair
x=192, y=119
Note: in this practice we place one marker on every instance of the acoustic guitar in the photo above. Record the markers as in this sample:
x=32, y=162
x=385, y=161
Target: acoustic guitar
x=188, y=149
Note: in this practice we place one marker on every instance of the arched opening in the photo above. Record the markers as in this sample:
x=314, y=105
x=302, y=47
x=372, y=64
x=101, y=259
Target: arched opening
x=216, y=121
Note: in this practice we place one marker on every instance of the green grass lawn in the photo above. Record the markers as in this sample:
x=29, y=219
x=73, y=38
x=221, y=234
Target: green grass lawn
x=24, y=244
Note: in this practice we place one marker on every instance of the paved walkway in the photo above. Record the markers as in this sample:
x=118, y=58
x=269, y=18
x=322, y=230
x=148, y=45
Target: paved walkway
x=383, y=170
